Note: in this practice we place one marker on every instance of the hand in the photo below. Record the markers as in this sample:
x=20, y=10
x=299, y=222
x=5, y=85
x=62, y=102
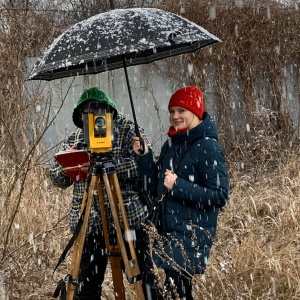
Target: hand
x=170, y=178
x=137, y=146
x=74, y=147
x=85, y=167
x=78, y=146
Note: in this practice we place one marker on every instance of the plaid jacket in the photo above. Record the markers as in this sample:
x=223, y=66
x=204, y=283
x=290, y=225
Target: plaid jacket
x=126, y=170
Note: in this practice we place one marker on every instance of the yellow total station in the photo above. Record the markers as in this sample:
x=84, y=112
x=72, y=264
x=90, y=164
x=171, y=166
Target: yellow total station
x=97, y=125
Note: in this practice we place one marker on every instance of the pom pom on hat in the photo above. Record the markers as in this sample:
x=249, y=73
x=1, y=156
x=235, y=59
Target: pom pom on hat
x=190, y=98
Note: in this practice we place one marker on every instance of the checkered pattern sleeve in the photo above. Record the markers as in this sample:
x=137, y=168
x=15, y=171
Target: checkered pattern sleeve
x=122, y=151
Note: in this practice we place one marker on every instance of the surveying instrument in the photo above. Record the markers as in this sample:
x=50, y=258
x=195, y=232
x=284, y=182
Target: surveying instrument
x=97, y=126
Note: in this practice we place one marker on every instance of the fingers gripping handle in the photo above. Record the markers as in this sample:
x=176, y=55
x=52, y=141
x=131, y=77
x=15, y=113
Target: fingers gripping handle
x=142, y=145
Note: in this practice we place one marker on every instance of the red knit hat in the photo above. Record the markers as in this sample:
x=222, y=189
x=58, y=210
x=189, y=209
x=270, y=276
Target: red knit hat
x=190, y=98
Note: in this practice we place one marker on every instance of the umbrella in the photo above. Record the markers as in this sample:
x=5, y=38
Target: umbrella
x=100, y=43
x=118, y=39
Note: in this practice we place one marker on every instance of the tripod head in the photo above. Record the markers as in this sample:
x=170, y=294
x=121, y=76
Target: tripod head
x=101, y=163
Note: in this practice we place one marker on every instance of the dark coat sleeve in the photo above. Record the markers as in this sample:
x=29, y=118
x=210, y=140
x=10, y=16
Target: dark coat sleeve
x=148, y=172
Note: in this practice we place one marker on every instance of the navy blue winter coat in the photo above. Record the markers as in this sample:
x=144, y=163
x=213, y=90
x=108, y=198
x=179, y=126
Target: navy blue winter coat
x=190, y=211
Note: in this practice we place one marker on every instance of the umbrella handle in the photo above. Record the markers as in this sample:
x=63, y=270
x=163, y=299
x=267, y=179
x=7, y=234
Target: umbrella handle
x=142, y=145
x=137, y=132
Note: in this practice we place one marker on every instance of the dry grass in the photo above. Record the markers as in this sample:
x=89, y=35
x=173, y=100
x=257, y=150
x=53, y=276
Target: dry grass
x=255, y=256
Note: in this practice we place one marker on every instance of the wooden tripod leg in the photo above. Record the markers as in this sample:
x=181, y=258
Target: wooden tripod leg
x=117, y=274
x=113, y=252
x=131, y=267
x=79, y=243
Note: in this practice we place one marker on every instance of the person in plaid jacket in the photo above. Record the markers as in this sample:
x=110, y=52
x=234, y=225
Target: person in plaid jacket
x=94, y=260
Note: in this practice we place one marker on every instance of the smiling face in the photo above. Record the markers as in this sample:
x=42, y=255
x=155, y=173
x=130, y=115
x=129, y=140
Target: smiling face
x=181, y=118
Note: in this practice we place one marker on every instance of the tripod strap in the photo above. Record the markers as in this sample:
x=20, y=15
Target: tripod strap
x=71, y=241
x=61, y=285
x=61, y=288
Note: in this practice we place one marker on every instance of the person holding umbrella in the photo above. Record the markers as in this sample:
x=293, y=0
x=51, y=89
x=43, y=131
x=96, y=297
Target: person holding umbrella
x=94, y=259
x=191, y=179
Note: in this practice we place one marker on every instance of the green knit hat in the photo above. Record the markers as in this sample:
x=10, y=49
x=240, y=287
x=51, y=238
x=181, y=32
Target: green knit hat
x=89, y=94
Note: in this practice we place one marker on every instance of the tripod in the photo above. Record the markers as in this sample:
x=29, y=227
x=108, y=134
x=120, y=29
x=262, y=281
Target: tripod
x=102, y=171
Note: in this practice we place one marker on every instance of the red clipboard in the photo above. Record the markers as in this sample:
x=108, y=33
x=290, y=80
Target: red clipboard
x=72, y=161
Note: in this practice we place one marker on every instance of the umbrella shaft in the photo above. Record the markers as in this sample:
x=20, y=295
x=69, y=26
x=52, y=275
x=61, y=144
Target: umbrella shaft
x=130, y=97
x=137, y=132
x=112, y=4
